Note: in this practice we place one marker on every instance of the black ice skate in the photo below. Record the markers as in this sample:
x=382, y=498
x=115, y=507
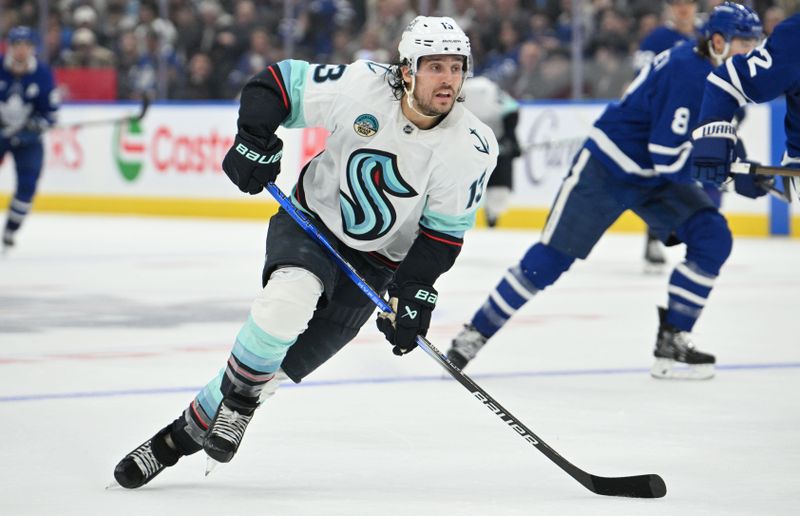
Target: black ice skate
x=8, y=240
x=465, y=346
x=676, y=357
x=654, y=259
x=148, y=460
x=226, y=432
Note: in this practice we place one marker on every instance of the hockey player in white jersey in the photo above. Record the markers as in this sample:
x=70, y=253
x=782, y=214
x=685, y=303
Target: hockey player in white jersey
x=497, y=109
x=394, y=191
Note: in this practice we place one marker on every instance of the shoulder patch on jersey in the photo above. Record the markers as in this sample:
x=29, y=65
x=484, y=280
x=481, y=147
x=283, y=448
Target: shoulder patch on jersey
x=484, y=143
x=366, y=125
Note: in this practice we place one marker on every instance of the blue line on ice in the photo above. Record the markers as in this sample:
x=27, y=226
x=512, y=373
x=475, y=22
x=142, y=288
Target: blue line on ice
x=357, y=381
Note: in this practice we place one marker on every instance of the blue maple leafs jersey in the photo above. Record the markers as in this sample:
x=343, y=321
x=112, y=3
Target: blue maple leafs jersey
x=645, y=137
x=28, y=103
x=660, y=39
x=770, y=70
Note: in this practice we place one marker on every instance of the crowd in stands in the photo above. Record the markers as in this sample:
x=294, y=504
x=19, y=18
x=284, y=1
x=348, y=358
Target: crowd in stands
x=207, y=49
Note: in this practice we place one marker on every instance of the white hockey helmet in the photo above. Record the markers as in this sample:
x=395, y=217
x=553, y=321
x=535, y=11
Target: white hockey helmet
x=433, y=35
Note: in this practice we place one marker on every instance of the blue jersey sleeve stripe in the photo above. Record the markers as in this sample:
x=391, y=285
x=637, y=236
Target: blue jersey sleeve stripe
x=728, y=88
x=605, y=144
x=655, y=148
x=789, y=160
x=675, y=166
x=730, y=67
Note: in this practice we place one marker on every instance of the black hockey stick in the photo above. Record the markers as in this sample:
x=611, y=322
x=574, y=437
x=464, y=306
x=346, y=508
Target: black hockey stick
x=788, y=176
x=639, y=486
x=108, y=121
x=743, y=167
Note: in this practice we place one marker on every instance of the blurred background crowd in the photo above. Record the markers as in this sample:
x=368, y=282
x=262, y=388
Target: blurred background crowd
x=207, y=49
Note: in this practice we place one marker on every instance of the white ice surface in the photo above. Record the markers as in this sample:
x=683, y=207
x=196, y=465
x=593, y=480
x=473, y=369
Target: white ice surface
x=109, y=325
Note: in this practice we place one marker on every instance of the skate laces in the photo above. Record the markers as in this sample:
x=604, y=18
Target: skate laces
x=146, y=461
x=469, y=342
x=230, y=424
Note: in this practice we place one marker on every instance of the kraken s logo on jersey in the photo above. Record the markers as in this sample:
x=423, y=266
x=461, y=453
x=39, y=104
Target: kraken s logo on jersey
x=484, y=143
x=367, y=213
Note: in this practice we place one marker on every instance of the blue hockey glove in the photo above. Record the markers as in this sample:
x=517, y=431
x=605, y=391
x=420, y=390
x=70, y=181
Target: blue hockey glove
x=251, y=165
x=412, y=305
x=751, y=185
x=713, y=152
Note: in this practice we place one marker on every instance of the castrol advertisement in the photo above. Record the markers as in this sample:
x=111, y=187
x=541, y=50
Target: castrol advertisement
x=176, y=152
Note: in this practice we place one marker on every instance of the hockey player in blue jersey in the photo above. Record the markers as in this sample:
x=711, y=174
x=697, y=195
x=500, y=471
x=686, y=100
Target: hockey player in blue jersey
x=28, y=104
x=768, y=71
x=637, y=158
x=682, y=26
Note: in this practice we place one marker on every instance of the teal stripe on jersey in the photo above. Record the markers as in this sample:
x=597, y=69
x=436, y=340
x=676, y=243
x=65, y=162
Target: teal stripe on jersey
x=453, y=225
x=294, y=77
x=211, y=395
x=259, y=350
x=509, y=106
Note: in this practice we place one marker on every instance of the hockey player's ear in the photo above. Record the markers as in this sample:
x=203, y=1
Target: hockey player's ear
x=405, y=70
x=718, y=42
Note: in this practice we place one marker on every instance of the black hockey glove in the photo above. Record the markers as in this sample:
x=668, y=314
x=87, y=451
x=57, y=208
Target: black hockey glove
x=412, y=306
x=509, y=147
x=251, y=165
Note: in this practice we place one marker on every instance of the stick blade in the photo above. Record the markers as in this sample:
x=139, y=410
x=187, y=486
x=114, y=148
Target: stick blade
x=639, y=486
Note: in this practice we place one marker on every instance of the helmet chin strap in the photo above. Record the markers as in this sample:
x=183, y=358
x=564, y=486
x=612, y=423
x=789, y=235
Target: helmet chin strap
x=718, y=58
x=410, y=98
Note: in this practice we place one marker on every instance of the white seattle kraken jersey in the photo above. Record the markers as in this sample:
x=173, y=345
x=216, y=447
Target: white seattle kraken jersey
x=488, y=102
x=380, y=177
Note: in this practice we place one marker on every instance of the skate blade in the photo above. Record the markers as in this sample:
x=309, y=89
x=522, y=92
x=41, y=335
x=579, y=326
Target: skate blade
x=667, y=369
x=211, y=464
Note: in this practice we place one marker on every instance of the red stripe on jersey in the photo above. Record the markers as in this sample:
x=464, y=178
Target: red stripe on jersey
x=439, y=239
x=280, y=85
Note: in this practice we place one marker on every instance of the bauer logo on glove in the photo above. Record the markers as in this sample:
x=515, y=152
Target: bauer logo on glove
x=412, y=305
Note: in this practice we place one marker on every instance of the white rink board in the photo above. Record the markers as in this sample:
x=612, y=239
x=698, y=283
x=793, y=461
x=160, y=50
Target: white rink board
x=180, y=149
x=538, y=174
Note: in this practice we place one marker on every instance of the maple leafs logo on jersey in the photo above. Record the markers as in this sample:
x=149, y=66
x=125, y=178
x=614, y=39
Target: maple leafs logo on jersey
x=367, y=212
x=484, y=148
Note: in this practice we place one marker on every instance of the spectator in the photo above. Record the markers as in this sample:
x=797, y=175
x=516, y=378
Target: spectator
x=200, y=83
x=773, y=16
x=86, y=53
x=258, y=56
x=370, y=49
x=528, y=72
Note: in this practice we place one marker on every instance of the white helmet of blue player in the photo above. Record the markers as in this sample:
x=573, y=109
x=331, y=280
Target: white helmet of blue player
x=431, y=36
x=731, y=20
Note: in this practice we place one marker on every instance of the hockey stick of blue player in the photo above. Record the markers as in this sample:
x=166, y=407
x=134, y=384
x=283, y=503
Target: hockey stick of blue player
x=109, y=121
x=639, y=486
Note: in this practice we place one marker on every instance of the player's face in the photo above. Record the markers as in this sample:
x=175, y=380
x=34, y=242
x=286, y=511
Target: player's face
x=438, y=82
x=683, y=10
x=21, y=51
x=742, y=45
